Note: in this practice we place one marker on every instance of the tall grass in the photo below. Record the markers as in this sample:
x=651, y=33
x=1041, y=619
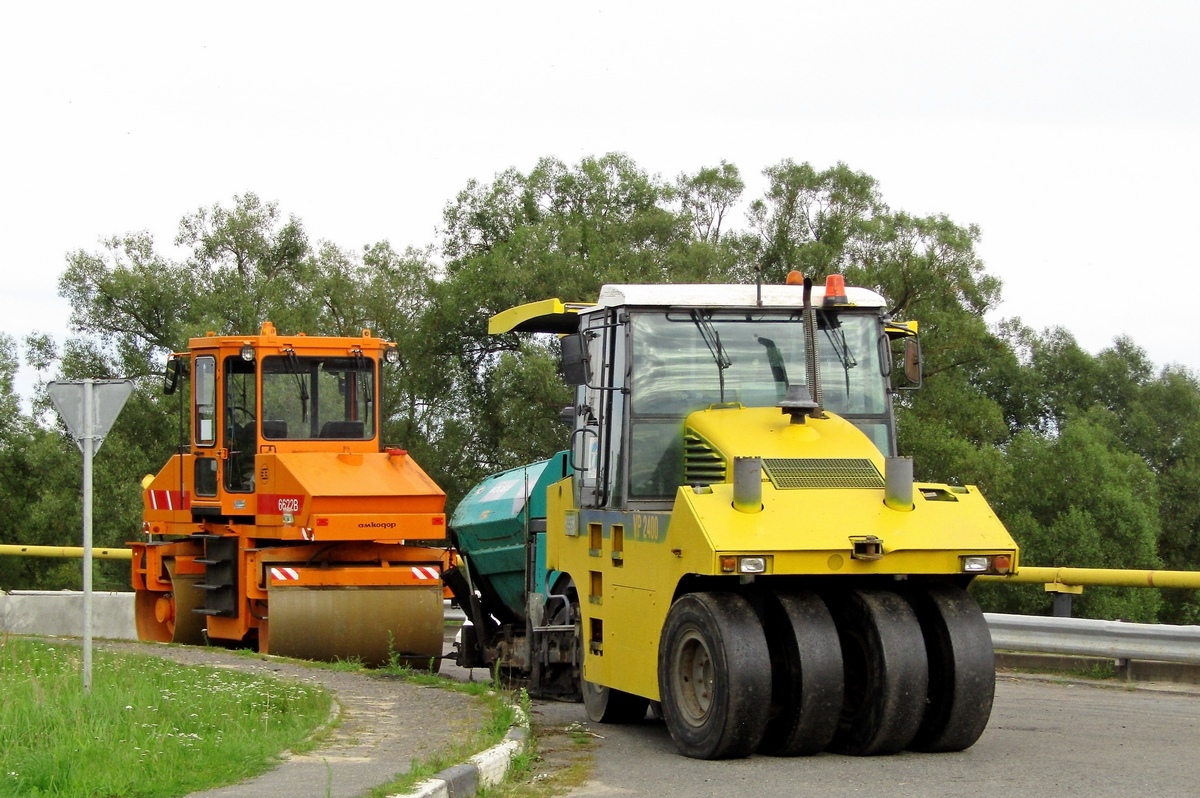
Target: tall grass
x=149, y=728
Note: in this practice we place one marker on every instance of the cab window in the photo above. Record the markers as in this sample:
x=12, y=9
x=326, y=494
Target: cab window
x=205, y=401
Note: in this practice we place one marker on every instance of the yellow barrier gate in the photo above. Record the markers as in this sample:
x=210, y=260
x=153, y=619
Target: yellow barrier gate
x=1068, y=582
x=63, y=551
x=1069, y=578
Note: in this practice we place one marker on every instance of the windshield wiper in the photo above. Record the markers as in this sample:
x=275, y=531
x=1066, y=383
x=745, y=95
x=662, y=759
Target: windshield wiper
x=712, y=339
x=293, y=366
x=837, y=342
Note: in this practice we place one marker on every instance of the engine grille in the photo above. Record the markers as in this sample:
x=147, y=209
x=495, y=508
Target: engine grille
x=702, y=464
x=796, y=473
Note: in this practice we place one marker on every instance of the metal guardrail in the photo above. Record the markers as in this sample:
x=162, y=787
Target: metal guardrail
x=1081, y=636
x=45, y=612
x=1024, y=633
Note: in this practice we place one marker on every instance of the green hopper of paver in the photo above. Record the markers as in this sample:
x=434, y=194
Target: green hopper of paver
x=516, y=615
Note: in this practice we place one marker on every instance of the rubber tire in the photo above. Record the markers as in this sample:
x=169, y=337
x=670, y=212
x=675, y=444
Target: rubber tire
x=718, y=638
x=887, y=675
x=962, y=669
x=606, y=705
x=807, y=678
x=602, y=704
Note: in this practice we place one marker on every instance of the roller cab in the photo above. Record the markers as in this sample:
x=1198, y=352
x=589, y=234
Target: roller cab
x=739, y=539
x=284, y=521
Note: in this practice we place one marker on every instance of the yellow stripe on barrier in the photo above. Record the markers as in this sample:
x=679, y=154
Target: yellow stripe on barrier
x=64, y=551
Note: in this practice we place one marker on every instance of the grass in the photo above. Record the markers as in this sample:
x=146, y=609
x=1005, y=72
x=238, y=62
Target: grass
x=559, y=763
x=149, y=728
x=1102, y=670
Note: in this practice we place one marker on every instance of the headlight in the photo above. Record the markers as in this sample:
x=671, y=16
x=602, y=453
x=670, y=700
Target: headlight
x=975, y=565
x=987, y=564
x=752, y=565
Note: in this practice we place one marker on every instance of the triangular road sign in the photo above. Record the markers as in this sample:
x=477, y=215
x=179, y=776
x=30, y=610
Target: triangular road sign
x=108, y=397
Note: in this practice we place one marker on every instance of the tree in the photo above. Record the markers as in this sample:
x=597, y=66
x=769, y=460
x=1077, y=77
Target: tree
x=133, y=301
x=250, y=265
x=707, y=197
x=817, y=222
x=1085, y=501
x=16, y=489
x=558, y=231
x=247, y=265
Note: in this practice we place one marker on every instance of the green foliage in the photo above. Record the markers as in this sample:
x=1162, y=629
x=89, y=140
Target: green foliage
x=1089, y=459
x=814, y=221
x=148, y=727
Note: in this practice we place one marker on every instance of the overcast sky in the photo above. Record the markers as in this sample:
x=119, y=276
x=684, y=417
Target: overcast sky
x=1068, y=131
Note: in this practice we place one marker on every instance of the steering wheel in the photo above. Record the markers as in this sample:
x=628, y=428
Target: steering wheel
x=234, y=410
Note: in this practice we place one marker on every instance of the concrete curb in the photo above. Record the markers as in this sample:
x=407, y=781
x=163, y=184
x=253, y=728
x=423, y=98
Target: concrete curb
x=485, y=769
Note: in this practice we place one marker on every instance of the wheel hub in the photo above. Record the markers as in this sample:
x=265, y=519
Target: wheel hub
x=695, y=683
x=163, y=609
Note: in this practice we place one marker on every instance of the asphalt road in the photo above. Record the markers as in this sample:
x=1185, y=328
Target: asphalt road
x=1045, y=739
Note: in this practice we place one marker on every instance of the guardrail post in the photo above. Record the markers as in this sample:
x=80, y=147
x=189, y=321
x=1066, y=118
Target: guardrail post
x=1063, y=597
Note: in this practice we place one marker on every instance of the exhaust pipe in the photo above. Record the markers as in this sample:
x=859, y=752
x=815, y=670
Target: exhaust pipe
x=898, y=483
x=747, y=484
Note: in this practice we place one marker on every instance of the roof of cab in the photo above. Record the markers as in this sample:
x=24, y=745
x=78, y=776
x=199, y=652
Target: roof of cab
x=556, y=316
x=709, y=295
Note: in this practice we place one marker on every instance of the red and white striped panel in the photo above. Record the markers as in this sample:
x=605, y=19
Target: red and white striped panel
x=285, y=574
x=424, y=572
x=164, y=499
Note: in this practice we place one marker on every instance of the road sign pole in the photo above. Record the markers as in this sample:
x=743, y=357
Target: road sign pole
x=89, y=434
x=89, y=408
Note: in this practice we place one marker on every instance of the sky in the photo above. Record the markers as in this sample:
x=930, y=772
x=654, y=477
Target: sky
x=1067, y=131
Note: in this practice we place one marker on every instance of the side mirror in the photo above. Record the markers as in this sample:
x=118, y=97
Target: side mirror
x=884, y=345
x=172, y=374
x=913, y=365
x=575, y=367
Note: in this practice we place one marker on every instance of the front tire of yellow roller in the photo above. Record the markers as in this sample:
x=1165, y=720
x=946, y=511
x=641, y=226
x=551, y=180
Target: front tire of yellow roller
x=887, y=675
x=962, y=669
x=808, y=677
x=714, y=676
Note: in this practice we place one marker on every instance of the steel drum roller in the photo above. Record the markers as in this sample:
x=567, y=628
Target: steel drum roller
x=354, y=624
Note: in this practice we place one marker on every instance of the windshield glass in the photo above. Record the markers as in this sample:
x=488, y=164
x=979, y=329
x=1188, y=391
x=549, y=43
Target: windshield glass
x=313, y=397
x=685, y=360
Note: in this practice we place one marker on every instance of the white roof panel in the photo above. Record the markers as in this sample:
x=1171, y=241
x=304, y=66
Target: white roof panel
x=709, y=295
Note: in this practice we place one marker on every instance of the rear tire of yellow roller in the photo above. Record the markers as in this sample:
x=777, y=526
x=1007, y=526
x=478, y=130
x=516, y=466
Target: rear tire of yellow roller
x=374, y=626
